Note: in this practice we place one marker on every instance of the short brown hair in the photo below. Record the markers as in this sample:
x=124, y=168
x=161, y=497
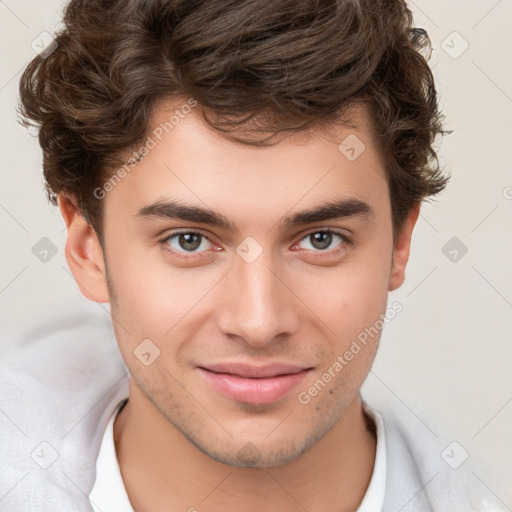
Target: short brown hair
x=271, y=66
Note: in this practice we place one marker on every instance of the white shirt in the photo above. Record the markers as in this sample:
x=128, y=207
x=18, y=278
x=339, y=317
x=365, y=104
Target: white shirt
x=62, y=376
x=109, y=493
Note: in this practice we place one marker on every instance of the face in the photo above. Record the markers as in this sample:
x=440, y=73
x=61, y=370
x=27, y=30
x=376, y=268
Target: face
x=237, y=317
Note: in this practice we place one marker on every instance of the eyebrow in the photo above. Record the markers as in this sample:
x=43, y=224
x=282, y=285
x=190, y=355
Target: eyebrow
x=338, y=209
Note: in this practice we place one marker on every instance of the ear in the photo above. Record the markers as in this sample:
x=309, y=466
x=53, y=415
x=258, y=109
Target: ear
x=84, y=253
x=402, y=249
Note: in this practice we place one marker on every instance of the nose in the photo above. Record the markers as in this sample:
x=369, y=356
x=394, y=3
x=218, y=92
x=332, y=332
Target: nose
x=258, y=304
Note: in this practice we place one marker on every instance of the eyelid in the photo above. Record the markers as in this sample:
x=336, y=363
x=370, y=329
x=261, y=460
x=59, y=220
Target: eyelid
x=183, y=254
x=346, y=239
x=184, y=231
x=341, y=234
x=336, y=231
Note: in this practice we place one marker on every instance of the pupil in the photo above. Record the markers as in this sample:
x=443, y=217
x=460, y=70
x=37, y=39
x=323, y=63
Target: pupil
x=189, y=241
x=322, y=240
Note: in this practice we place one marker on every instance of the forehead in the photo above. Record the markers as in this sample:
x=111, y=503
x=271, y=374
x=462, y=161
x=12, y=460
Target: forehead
x=188, y=159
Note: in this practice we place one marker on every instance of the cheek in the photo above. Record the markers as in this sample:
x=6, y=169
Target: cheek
x=350, y=298
x=157, y=301
x=149, y=292
x=154, y=296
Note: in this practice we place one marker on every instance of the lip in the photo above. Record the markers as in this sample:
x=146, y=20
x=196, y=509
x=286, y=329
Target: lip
x=254, y=384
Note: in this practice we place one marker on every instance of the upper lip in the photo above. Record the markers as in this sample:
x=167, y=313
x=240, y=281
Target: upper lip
x=250, y=371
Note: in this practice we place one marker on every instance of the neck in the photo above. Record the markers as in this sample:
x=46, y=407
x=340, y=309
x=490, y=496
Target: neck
x=163, y=470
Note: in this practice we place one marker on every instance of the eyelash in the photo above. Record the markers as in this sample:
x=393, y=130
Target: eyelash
x=346, y=241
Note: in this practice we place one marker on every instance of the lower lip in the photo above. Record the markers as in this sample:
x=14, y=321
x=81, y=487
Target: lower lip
x=254, y=391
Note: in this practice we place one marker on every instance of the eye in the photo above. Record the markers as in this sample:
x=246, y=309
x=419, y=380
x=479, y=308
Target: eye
x=321, y=240
x=186, y=242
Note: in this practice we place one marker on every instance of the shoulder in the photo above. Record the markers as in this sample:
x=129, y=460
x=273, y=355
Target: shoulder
x=427, y=470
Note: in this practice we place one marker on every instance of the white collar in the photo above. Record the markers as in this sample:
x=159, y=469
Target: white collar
x=109, y=492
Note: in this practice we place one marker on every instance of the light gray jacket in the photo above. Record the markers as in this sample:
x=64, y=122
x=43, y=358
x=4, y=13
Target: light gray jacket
x=62, y=378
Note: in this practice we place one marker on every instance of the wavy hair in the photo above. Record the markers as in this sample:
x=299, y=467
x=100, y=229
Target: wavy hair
x=254, y=66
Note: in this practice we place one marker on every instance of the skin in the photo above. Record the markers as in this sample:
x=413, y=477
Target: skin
x=178, y=440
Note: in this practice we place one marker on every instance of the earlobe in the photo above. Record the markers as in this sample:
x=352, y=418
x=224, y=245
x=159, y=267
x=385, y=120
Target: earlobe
x=402, y=248
x=84, y=253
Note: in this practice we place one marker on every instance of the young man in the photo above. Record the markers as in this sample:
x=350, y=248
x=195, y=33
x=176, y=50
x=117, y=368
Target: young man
x=240, y=181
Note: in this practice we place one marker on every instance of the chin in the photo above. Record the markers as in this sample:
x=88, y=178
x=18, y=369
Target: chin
x=251, y=456
x=256, y=453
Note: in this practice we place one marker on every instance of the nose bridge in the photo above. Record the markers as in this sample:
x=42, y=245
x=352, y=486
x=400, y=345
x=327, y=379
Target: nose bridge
x=259, y=307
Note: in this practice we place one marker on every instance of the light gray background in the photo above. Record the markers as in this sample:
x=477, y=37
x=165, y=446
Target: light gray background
x=447, y=356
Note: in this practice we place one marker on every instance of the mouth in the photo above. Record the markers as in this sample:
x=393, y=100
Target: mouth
x=254, y=384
